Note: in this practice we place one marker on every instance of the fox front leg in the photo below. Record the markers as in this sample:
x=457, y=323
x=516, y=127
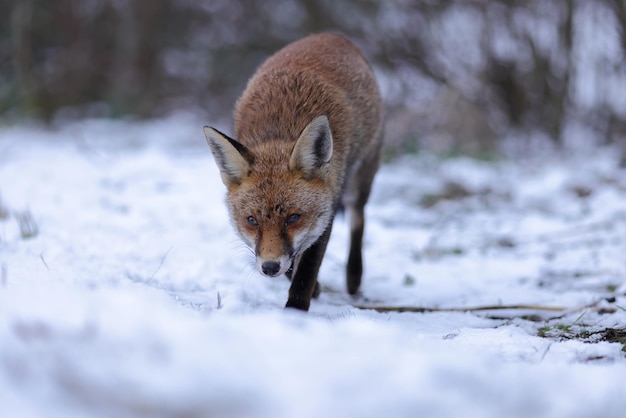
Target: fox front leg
x=316, y=291
x=304, y=284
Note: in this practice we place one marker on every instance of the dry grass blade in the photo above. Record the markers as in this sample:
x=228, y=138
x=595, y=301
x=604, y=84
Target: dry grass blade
x=4, y=212
x=28, y=225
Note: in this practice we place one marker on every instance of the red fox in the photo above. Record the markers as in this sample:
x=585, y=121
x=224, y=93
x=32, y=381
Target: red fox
x=308, y=133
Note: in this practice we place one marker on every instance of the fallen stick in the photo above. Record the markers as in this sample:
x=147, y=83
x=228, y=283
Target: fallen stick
x=422, y=309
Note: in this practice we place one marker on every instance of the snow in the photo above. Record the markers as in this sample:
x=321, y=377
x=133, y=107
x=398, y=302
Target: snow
x=137, y=299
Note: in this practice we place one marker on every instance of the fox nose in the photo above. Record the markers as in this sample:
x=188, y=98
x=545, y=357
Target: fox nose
x=270, y=268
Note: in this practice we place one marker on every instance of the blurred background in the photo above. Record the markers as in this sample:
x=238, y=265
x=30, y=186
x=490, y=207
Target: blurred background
x=457, y=76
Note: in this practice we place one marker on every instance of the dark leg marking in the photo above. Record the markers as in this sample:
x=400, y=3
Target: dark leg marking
x=354, y=269
x=304, y=283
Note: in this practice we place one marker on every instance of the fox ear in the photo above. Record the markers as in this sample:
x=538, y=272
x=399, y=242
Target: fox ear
x=314, y=147
x=232, y=157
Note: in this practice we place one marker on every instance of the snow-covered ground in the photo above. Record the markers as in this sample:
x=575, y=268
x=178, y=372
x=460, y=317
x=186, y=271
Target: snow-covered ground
x=135, y=298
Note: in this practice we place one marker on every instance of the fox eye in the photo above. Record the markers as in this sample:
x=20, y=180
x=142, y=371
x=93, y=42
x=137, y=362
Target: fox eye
x=252, y=221
x=292, y=219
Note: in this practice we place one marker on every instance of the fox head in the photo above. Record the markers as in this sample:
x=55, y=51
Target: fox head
x=278, y=194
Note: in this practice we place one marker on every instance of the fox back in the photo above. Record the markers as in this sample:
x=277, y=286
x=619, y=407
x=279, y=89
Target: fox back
x=307, y=140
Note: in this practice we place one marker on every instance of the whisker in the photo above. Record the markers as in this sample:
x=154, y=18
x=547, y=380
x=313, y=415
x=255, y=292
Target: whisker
x=235, y=245
x=250, y=271
x=249, y=266
x=239, y=249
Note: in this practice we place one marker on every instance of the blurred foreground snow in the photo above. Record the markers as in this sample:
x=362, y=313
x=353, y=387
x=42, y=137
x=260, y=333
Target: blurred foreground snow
x=135, y=298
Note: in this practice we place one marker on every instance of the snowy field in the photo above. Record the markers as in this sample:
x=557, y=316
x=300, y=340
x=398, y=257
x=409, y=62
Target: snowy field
x=125, y=293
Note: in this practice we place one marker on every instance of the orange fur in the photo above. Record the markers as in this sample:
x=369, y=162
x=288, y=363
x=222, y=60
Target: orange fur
x=307, y=139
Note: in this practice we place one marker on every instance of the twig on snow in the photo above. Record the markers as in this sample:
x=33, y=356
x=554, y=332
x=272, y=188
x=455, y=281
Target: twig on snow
x=423, y=309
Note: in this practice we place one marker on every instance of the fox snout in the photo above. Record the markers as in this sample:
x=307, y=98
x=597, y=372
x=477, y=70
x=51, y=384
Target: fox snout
x=273, y=268
x=270, y=268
